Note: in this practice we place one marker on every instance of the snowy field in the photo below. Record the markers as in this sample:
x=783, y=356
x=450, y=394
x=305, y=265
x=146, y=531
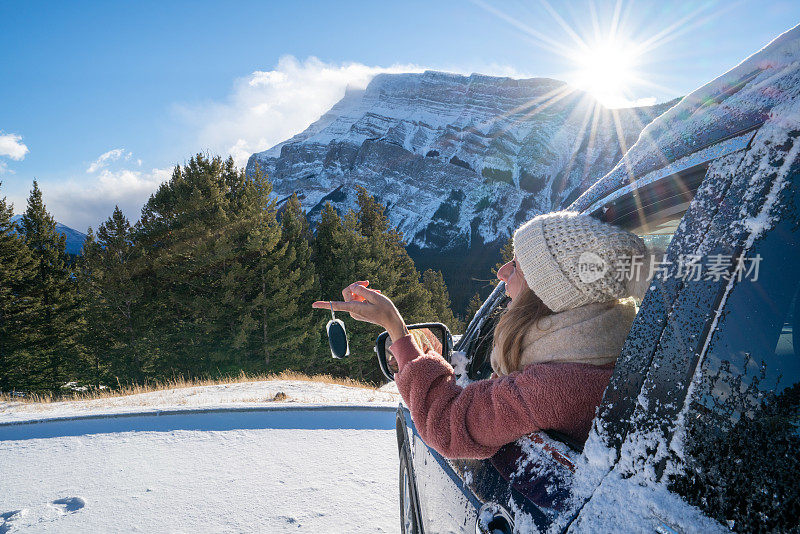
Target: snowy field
x=206, y=459
x=254, y=394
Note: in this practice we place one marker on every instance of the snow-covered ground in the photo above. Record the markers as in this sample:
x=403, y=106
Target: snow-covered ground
x=206, y=459
x=249, y=394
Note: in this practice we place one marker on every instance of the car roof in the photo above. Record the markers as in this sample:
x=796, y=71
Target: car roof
x=714, y=120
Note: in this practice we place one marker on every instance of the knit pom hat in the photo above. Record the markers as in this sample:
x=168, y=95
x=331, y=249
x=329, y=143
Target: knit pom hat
x=569, y=259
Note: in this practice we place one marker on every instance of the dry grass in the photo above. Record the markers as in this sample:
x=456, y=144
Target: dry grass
x=178, y=383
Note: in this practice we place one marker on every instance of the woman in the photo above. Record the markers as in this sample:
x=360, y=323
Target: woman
x=554, y=349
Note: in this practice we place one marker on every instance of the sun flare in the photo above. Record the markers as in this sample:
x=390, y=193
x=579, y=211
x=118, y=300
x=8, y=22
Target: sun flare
x=607, y=70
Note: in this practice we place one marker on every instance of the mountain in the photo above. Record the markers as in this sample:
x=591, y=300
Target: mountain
x=459, y=161
x=74, y=238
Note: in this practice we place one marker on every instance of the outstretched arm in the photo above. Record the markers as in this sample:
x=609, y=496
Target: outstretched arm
x=475, y=421
x=470, y=422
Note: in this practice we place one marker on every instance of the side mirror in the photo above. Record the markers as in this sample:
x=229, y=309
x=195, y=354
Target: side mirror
x=432, y=336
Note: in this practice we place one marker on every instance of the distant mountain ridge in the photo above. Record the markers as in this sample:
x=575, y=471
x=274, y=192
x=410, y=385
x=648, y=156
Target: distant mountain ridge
x=74, y=238
x=459, y=161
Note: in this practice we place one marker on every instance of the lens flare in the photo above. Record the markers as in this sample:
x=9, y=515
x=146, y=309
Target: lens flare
x=607, y=70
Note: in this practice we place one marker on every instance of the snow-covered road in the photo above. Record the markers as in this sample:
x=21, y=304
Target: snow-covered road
x=273, y=469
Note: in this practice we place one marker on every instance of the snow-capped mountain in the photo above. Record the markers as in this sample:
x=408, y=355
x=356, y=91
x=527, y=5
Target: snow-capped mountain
x=459, y=161
x=74, y=238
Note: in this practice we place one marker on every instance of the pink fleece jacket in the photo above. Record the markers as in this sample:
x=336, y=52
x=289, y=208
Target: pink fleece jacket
x=475, y=421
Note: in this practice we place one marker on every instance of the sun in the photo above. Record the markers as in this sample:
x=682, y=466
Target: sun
x=607, y=70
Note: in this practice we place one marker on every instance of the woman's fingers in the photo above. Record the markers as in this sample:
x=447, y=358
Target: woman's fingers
x=370, y=295
x=363, y=304
x=348, y=294
x=363, y=283
x=350, y=307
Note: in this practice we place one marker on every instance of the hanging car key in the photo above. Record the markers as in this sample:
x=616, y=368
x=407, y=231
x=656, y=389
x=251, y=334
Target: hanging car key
x=337, y=337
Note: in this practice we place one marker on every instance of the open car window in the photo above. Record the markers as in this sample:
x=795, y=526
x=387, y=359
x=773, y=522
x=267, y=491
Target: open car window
x=653, y=219
x=480, y=367
x=653, y=211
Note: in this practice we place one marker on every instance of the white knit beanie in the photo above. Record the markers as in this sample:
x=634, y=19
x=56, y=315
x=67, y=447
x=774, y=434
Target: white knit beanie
x=569, y=259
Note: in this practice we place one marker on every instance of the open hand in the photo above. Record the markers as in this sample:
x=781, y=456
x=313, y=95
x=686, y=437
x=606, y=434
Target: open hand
x=368, y=305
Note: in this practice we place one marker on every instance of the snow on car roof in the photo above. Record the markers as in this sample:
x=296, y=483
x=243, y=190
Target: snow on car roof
x=739, y=100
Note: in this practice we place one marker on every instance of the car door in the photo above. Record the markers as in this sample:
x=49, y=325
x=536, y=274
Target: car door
x=721, y=374
x=452, y=493
x=737, y=451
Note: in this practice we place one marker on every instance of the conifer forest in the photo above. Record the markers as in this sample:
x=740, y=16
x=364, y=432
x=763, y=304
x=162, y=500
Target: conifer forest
x=212, y=280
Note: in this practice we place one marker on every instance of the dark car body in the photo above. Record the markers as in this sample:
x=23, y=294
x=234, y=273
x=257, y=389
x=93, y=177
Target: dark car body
x=699, y=427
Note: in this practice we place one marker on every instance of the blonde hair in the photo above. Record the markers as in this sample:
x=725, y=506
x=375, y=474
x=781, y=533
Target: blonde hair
x=422, y=340
x=523, y=313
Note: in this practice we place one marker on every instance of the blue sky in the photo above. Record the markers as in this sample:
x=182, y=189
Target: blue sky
x=98, y=100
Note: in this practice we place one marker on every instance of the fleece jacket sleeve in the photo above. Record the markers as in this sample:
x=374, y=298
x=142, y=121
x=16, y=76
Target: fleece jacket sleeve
x=475, y=421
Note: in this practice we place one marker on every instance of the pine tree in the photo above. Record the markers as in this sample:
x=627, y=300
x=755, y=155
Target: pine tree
x=433, y=281
x=272, y=298
x=302, y=331
x=111, y=296
x=16, y=305
x=506, y=255
x=235, y=255
x=91, y=337
x=371, y=219
x=184, y=234
x=229, y=248
x=388, y=259
x=56, y=319
x=328, y=256
x=474, y=305
x=222, y=279
x=364, y=246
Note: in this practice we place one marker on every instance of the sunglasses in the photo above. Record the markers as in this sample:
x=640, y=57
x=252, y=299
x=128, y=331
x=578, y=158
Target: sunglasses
x=337, y=337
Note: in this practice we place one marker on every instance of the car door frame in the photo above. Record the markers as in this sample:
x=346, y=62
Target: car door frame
x=698, y=308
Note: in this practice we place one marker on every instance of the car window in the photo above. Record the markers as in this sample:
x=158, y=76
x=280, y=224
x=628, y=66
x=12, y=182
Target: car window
x=737, y=457
x=661, y=240
x=654, y=210
x=659, y=234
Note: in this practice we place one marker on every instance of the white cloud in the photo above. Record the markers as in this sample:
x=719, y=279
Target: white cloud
x=88, y=201
x=109, y=157
x=268, y=107
x=11, y=146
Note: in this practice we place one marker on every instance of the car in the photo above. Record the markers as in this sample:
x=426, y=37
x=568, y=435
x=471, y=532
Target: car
x=699, y=428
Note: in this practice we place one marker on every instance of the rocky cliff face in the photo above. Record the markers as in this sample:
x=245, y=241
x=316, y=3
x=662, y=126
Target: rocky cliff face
x=459, y=161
